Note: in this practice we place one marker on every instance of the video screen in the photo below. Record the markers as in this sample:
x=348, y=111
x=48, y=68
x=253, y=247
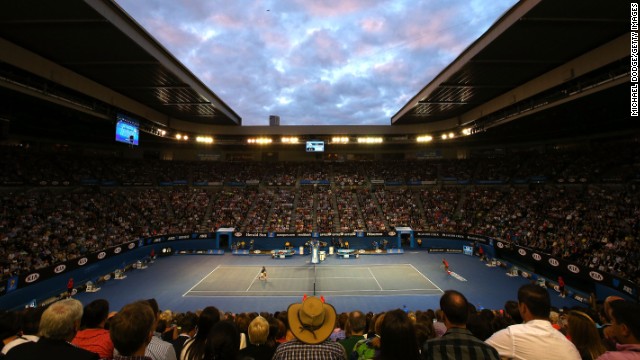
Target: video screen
x=315, y=146
x=127, y=131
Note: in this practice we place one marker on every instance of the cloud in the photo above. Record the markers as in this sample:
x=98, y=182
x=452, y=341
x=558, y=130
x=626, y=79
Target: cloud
x=348, y=62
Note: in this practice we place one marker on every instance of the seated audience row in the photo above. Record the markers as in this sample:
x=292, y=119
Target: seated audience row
x=307, y=330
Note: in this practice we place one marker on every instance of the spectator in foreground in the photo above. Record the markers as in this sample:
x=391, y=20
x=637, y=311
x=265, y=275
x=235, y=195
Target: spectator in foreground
x=625, y=328
x=258, y=348
x=535, y=338
x=398, y=337
x=9, y=327
x=582, y=331
x=311, y=323
x=131, y=331
x=58, y=327
x=159, y=349
x=29, y=328
x=186, y=330
x=357, y=324
x=93, y=336
x=223, y=341
x=194, y=349
x=370, y=347
x=457, y=343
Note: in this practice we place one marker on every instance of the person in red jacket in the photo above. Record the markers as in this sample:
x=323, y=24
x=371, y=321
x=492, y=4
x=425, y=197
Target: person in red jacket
x=70, y=287
x=561, y=288
x=445, y=264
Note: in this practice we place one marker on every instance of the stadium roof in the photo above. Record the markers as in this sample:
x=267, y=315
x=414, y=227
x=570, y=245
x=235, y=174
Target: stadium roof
x=541, y=60
x=93, y=47
x=538, y=47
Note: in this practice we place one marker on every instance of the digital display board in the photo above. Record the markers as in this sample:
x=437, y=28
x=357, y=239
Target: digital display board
x=127, y=130
x=315, y=146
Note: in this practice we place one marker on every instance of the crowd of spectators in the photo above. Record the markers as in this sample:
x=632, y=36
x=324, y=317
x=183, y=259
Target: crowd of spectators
x=531, y=328
x=594, y=222
x=325, y=205
x=349, y=216
x=304, y=210
x=281, y=215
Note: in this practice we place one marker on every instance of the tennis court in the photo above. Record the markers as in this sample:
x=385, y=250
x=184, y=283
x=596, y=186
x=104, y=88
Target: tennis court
x=340, y=280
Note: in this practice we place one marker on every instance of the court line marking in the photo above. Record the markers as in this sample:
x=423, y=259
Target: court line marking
x=320, y=265
x=201, y=280
x=322, y=291
x=320, y=277
x=296, y=295
x=374, y=277
x=367, y=267
x=424, y=276
x=252, y=282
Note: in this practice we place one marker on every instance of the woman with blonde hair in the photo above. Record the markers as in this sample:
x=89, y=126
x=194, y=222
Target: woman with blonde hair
x=582, y=331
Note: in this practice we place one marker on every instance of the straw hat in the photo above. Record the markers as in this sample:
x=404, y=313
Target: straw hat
x=311, y=321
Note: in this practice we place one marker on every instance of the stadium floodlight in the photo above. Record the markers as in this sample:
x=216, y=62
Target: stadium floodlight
x=259, y=141
x=369, y=140
x=204, y=139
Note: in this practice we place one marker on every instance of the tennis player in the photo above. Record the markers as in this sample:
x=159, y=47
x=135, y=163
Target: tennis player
x=263, y=274
x=445, y=264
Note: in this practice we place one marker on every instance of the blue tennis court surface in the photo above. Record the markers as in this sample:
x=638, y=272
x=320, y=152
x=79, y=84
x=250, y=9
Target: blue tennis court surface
x=368, y=283
x=336, y=280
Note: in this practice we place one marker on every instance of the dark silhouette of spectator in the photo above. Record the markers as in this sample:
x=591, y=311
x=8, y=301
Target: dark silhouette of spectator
x=398, y=337
x=159, y=349
x=195, y=349
x=30, y=322
x=92, y=335
x=187, y=324
x=131, y=330
x=223, y=342
x=357, y=325
x=9, y=327
x=458, y=343
x=625, y=324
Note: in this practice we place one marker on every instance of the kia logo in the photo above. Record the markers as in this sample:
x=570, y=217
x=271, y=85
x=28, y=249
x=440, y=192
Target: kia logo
x=574, y=269
x=102, y=255
x=554, y=262
x=60, y=268
x=392, y=233
x=500, y=245
x=83, y=261
x=522, y=252
x=596, y=276
x=132, y=245
x=536, y=257
x=117, y=250
x=238, y=234
x=31, y=278
x=107, y=277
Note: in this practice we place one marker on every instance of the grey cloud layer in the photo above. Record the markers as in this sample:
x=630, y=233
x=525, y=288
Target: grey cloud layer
x=350, y=62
